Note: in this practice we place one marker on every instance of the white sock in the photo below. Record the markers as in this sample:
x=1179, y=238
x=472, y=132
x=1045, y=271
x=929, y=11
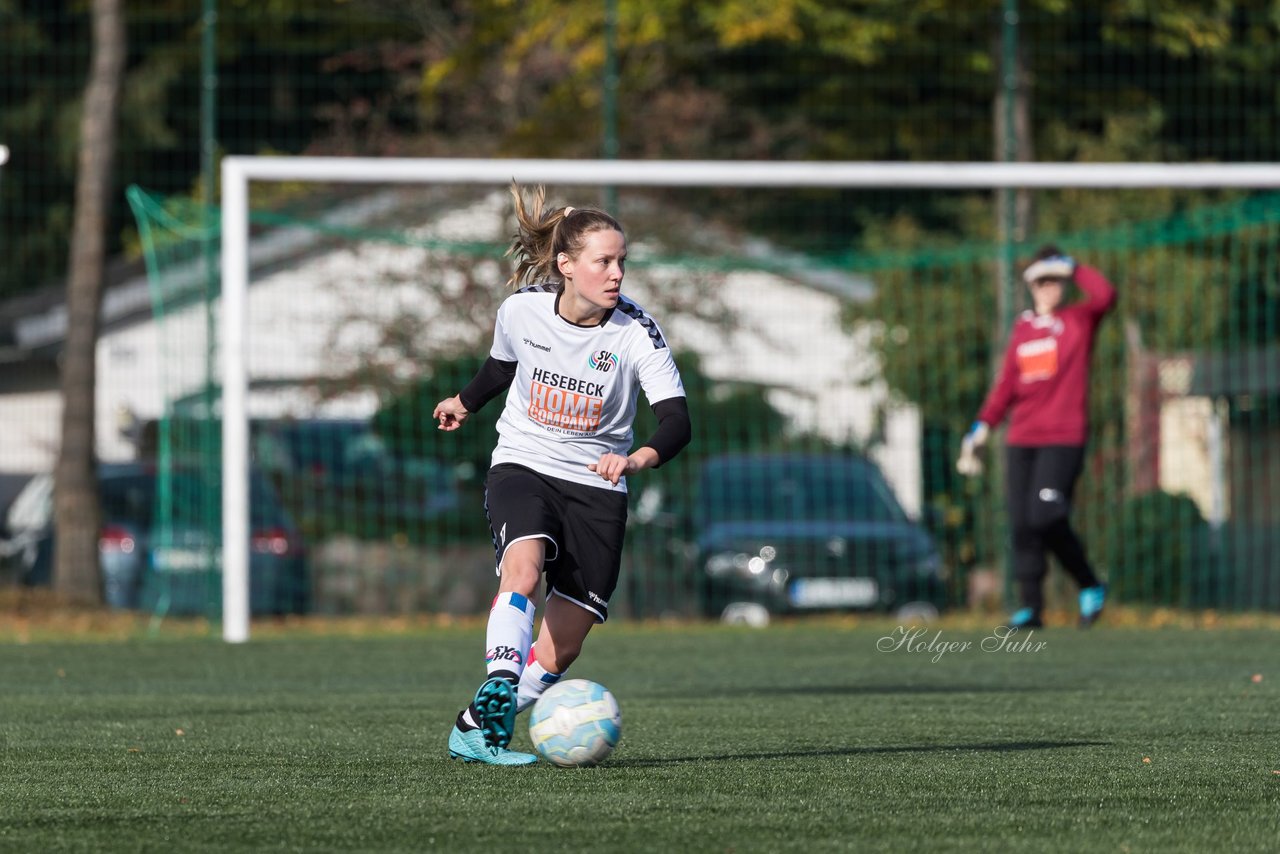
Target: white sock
x=509, y=636
x=533, y=682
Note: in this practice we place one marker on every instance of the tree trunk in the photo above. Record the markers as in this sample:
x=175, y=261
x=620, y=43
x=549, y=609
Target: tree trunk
x=77, y=515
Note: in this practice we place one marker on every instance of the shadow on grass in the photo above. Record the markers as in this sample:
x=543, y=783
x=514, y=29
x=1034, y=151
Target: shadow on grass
x=1005, y=747
x=861, y=690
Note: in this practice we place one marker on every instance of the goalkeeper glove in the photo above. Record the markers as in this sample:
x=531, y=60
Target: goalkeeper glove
x=970, y=463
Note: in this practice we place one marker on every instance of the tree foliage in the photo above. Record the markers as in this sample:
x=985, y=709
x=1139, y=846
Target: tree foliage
x=284, y=79
x=792, y=80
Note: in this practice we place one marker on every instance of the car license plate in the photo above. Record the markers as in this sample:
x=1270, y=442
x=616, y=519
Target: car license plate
x=834, y=592
x=183, y=560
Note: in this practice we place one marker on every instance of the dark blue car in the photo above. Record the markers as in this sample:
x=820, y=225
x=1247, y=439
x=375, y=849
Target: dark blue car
x=801, y=533
x=158, y=543
x=340, y=477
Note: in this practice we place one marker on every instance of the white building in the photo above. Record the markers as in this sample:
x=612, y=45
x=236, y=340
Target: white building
x=318, y=309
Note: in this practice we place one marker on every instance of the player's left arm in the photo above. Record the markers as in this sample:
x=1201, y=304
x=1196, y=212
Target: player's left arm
x=660, y=379
x=673, y=433
x=663, y=388
x=1100, y=294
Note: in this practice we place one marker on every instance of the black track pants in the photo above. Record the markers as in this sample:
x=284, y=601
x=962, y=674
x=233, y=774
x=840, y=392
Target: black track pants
x=1039, y=486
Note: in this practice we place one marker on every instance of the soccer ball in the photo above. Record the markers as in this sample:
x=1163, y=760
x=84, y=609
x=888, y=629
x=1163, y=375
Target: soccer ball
x=575, y=723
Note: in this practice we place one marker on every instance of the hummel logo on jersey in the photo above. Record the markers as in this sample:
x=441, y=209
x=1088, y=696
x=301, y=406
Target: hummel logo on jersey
x=596, y=599
x=503, y=653
x=537, y=346
x=603, y=361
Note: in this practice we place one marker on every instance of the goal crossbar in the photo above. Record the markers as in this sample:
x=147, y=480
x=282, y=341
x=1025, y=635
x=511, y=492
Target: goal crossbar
x=755, y=173
x=239, y=171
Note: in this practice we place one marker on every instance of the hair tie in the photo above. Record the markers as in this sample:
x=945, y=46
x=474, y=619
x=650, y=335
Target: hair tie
x=568, y=209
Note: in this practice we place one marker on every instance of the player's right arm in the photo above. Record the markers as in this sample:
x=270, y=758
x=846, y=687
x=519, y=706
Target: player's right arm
x=990, y=415
x=996, y=406
x=493, y=378
x=450, y=413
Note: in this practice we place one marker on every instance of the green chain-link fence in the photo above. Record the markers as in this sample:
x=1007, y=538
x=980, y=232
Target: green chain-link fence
x=363, y=318
x=1191, y=341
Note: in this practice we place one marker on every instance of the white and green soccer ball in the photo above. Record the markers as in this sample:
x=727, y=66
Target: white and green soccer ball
x=575, y=723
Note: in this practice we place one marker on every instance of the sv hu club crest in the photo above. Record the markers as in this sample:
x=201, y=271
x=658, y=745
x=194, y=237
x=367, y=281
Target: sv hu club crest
x=603, y=360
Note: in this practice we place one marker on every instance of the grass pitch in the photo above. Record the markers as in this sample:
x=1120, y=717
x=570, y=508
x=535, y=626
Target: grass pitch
x=806, y=737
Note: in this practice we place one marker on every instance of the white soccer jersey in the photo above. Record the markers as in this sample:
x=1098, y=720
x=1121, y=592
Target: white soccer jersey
x=574, y=393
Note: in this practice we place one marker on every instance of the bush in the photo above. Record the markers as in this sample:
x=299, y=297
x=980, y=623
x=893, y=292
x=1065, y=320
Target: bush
x=1156, y=551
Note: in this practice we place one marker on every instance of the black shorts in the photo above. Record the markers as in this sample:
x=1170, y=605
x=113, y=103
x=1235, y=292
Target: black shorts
x=584, y=526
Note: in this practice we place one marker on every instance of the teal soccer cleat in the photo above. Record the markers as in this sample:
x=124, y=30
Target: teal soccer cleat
x=1026, y=618
x=470, y=746
x=495, y=705
x=1091, y=601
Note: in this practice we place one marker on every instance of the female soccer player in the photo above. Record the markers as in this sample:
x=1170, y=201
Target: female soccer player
x=1044, y=383
x=572, y=353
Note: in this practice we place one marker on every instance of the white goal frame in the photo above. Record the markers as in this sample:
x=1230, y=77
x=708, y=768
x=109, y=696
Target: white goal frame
x=239, y=171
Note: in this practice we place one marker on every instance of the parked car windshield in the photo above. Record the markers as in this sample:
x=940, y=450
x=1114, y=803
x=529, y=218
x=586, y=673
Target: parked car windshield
x=337, y=445
x=128, y=498
x=343, y=450
x=796, y=489
x=131, y=497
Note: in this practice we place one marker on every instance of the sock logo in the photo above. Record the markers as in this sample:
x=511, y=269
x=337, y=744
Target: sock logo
x=503, y=653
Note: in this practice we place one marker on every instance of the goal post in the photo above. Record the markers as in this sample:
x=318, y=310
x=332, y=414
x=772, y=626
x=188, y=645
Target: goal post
x=239, y=172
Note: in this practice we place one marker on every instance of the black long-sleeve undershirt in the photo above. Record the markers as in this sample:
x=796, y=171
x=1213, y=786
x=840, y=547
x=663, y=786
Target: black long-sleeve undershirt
x=672, y=434
x=674, y=428
x=493, y=378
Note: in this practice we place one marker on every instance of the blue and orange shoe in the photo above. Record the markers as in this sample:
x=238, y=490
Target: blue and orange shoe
x=495, y=705
x=470, y=746
x=1092, y=600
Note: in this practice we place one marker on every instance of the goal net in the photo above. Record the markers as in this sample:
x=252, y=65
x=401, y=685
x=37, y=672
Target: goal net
x=837, y=327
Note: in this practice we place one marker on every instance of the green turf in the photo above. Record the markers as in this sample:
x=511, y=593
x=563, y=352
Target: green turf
x=797, y=738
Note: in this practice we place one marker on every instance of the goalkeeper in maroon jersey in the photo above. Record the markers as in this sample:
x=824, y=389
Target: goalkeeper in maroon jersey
x=1043, y=389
